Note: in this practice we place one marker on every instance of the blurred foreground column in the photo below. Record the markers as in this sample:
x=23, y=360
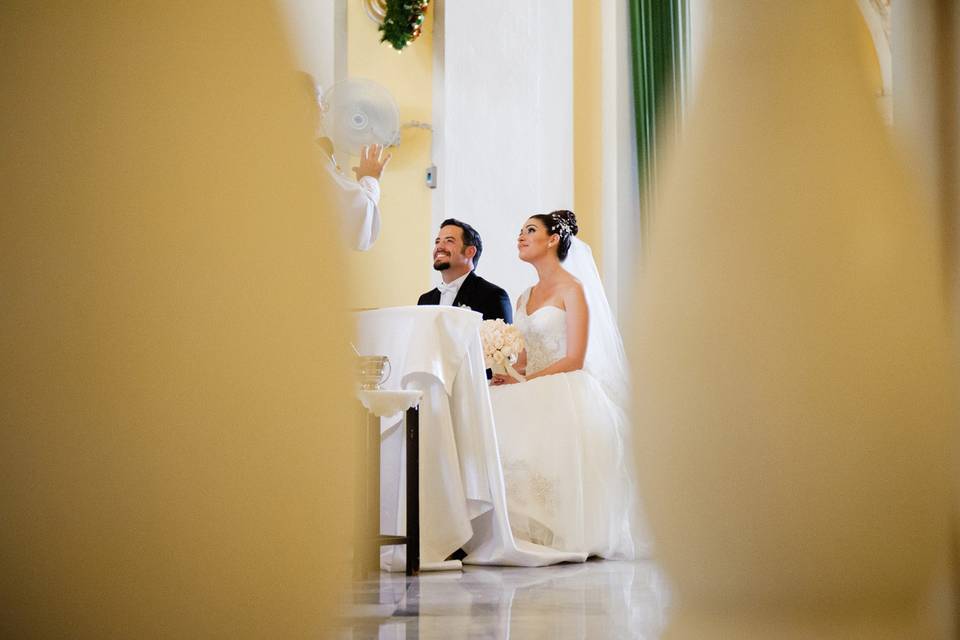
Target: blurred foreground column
x=173, y=396
x=926, y=60
x=791, y=348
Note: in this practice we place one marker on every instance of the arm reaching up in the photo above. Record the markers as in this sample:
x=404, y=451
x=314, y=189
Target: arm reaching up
x=358, y=200
x=372, y=162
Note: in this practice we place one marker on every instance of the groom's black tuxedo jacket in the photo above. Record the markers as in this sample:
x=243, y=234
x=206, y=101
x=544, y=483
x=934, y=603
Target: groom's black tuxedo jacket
x=478, y=294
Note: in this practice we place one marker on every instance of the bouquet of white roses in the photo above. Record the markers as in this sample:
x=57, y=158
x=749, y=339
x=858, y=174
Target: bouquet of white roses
x=502, y=344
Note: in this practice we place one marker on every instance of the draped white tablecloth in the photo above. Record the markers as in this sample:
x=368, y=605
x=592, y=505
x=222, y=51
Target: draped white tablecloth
x=437, y=350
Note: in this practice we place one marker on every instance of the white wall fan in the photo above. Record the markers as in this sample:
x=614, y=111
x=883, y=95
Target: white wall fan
x=358, y=112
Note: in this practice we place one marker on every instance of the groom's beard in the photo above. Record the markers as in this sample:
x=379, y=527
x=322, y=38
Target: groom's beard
x=441, y=262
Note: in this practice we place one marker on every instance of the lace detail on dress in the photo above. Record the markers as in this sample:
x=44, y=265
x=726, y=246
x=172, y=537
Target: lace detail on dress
x=527, y=486
x=530, y=491
x=544, y=332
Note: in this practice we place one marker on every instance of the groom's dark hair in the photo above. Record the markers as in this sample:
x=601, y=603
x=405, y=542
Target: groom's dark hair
x=470, y=237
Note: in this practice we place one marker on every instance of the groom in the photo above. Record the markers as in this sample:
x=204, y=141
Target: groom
x=456, y=252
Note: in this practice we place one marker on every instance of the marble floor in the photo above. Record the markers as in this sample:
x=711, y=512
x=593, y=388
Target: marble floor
x=595, y=600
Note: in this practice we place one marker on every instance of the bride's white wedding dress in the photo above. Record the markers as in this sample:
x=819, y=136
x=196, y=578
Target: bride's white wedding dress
x=561, y=440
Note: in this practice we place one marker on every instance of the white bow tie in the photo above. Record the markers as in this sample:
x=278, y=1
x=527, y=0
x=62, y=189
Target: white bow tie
x=443, y=287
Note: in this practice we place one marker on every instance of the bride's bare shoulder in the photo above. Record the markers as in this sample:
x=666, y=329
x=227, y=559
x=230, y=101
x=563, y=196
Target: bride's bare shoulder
x=569, y=284
x=571, y=292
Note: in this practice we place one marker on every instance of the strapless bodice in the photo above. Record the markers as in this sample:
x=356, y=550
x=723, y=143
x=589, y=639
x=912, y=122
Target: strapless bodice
x=544, y=333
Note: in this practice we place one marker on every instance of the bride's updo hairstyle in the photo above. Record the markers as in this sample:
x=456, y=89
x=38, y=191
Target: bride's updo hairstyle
x=564, y=224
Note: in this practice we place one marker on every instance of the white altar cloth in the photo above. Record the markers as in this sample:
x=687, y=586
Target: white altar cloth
x=437, y=350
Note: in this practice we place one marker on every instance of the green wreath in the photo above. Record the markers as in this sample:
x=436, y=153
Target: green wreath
x=403, y=22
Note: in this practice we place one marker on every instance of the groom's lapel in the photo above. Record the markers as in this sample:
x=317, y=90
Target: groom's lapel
x=463, y=294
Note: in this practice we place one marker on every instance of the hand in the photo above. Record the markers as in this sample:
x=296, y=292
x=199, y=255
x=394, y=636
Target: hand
x=500, y=378
x=372, y=161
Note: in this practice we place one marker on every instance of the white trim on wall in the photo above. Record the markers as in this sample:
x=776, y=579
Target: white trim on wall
x=620, y=198
x=318, y=34
x=438, y=139
x=503, y=117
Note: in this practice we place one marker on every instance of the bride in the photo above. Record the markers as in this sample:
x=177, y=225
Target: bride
x=562, y=432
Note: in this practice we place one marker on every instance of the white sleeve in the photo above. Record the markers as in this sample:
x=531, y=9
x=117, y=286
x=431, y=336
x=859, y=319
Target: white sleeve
x=358, y=208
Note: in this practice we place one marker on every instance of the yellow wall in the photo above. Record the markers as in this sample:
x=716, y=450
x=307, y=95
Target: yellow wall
x=396, y=270
x=587, y=158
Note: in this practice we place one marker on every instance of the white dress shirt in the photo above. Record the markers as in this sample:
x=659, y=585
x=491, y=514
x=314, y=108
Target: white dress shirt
x=448, y=292
x=357, y=205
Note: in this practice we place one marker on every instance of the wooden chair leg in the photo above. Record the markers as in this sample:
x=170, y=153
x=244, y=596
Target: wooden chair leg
x=373, y=491
x=413, y=491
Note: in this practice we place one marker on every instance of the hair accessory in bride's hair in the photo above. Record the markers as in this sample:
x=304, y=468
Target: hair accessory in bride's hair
x=560, y=224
